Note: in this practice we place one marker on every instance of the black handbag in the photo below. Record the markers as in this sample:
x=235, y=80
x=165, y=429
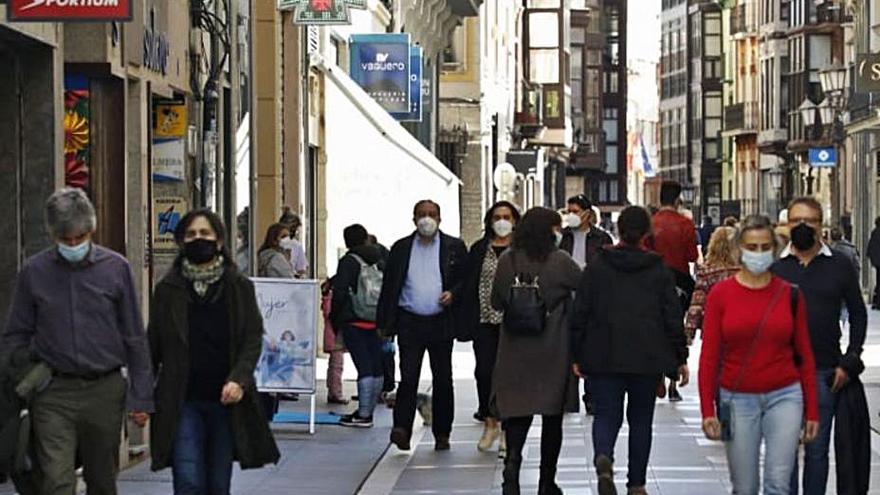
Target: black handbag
x=526, y=312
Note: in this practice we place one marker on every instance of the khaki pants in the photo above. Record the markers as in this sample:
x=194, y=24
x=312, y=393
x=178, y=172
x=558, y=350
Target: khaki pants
x=79, y=416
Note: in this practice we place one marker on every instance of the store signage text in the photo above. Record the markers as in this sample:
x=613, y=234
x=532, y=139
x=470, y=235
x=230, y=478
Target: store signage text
x=69, y=10
x=381, y=65
x=868, y=73
x=156, y=48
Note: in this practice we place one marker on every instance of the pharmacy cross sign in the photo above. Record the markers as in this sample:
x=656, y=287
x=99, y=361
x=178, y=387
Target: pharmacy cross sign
x=321, y=11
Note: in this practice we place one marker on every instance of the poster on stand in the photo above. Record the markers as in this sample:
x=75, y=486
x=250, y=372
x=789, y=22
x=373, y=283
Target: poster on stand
x=290, y=310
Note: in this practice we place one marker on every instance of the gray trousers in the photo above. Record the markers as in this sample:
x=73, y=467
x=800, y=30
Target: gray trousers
x=79, y=416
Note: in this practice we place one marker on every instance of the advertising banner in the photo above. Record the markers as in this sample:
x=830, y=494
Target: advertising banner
x=868, y=73
x=69, y=10
x=170, y=121
x=169, y=160
x=380, y=64
x=290, y=319
x=167, y=212
x=415, y=88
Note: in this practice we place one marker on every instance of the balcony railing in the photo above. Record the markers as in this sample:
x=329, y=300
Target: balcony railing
x=741, y=117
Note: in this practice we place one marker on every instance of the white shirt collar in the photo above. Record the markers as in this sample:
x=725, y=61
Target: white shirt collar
x=824, y=251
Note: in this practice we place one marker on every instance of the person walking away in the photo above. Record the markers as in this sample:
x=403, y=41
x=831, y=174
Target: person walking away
x=705, y=233
x=874, y=257
x=583, y=240
x=721, y=263
x=756, y=348
x=828, y=281
x=356, y=288
x=533, y=371
x=205, y=334
x=75, y=308
x=675, y=239
x=423, y=275
x=334, y=347
x=476, y=311
x=291, y=245
x=627, y=333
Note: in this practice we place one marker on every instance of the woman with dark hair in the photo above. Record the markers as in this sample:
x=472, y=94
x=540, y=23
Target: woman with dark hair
x=533, y=372
x=205, y=335
x=272, y=261
x=628, y=333
x=477, y=318
x=291, y=245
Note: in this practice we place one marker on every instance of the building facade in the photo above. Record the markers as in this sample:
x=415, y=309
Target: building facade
x=674, y=156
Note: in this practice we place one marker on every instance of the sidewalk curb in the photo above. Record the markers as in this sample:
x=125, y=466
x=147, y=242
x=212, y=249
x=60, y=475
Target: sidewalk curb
x=390, y=466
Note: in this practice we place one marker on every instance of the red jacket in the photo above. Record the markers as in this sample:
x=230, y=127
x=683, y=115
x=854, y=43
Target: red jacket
x=675, y=239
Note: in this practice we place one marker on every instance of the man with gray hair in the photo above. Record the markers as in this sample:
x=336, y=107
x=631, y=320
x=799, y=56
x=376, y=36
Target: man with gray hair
x=75, y=310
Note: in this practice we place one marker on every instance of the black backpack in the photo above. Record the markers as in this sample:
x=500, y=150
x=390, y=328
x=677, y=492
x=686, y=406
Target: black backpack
x=526, y=312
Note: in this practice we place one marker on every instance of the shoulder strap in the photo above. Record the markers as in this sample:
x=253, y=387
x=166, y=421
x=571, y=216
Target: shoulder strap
x=794, y=301
x=359, y=260
x=754, y=345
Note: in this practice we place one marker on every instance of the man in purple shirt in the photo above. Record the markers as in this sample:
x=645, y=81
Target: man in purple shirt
x=75, y=309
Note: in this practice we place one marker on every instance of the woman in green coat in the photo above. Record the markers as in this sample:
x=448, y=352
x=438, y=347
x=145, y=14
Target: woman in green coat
x=205, y=335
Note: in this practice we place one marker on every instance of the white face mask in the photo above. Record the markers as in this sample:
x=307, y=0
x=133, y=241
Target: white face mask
x=573, y=220
x=502, y=228
x=287, y=243
x=558, y=236
x=757, y=262
x=427, y=226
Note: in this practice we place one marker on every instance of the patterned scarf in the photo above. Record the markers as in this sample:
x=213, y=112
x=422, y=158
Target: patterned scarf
x=202, y=276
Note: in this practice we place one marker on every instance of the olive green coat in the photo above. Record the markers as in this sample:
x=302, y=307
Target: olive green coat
x=168, y=333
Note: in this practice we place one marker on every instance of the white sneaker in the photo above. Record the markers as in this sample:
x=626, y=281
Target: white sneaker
x=491, y=432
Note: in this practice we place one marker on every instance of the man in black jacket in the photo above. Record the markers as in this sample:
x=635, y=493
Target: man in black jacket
x=581, y=239
x=422, y=277
x=827, y=280
x=874, y=256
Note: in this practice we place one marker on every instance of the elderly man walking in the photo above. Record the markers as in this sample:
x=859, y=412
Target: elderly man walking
x=76, y=310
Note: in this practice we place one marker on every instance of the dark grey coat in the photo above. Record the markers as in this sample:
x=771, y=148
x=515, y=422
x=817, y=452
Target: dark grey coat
x=168, y=331
x=533, y=375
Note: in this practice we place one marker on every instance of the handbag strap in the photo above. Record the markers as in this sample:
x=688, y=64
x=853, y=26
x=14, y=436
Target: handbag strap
x=754, y=345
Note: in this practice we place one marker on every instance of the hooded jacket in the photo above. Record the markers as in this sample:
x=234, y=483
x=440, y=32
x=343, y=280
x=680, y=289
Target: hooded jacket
x=346, y=281
x=627, y=315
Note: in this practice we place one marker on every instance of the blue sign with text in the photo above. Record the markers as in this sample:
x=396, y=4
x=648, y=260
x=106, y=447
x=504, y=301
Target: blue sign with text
x=380, y=64
x=823, y=157
x=415, y=88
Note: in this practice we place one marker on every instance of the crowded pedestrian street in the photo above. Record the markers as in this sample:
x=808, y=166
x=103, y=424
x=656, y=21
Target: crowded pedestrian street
x=338, y=460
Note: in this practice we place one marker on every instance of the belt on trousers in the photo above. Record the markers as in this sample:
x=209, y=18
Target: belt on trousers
x=420, y=318
x=85, y=376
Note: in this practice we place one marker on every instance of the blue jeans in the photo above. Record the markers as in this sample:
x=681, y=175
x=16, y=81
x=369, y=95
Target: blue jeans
x=365, y=348
x=608, y=393
x=204, y=450
x=816, y=453
x=776, y=419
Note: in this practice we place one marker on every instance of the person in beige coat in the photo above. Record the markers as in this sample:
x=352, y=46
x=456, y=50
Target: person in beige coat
x=533, y=374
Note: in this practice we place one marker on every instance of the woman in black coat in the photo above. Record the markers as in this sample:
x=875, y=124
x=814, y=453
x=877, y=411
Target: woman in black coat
x=627, y=333
x=476, y=312
x=205, y=335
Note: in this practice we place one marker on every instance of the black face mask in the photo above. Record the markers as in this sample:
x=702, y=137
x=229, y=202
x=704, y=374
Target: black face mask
x=803, y=237
x=200, y=251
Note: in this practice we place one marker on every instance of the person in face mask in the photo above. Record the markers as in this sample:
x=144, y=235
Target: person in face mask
x=757, y=372
x=828, y=281
x=423, y=278
x=207, y=398
x=291, y=244
x=475, y=313
x=79, y=292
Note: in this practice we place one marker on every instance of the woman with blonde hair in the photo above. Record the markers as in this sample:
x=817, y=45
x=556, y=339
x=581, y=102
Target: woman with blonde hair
x=720, y=264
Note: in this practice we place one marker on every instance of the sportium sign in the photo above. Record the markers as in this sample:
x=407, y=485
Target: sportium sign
x=69, y=10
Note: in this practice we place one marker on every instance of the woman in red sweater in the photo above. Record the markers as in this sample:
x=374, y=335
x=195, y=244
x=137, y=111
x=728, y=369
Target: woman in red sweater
x=757, y=374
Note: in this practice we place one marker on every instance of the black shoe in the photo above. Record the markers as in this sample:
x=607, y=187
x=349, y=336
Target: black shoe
x=547, y=483
x=400, y=438
x=605, y=472
x=479, y=417
x=674, y=395
x=441, y=442
x=353, y=420
x=588, y=406
x=510, y=485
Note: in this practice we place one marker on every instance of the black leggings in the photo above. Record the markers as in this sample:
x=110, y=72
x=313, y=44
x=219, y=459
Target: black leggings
x=517, y=429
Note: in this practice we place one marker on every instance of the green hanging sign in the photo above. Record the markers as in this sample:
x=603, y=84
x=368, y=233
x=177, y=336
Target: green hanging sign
x=321, y=12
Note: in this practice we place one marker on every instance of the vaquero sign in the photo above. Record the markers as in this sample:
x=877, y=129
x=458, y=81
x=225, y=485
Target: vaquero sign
x=380, y=64
x=415, y=88
x=69, y=10
x=868, y=73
